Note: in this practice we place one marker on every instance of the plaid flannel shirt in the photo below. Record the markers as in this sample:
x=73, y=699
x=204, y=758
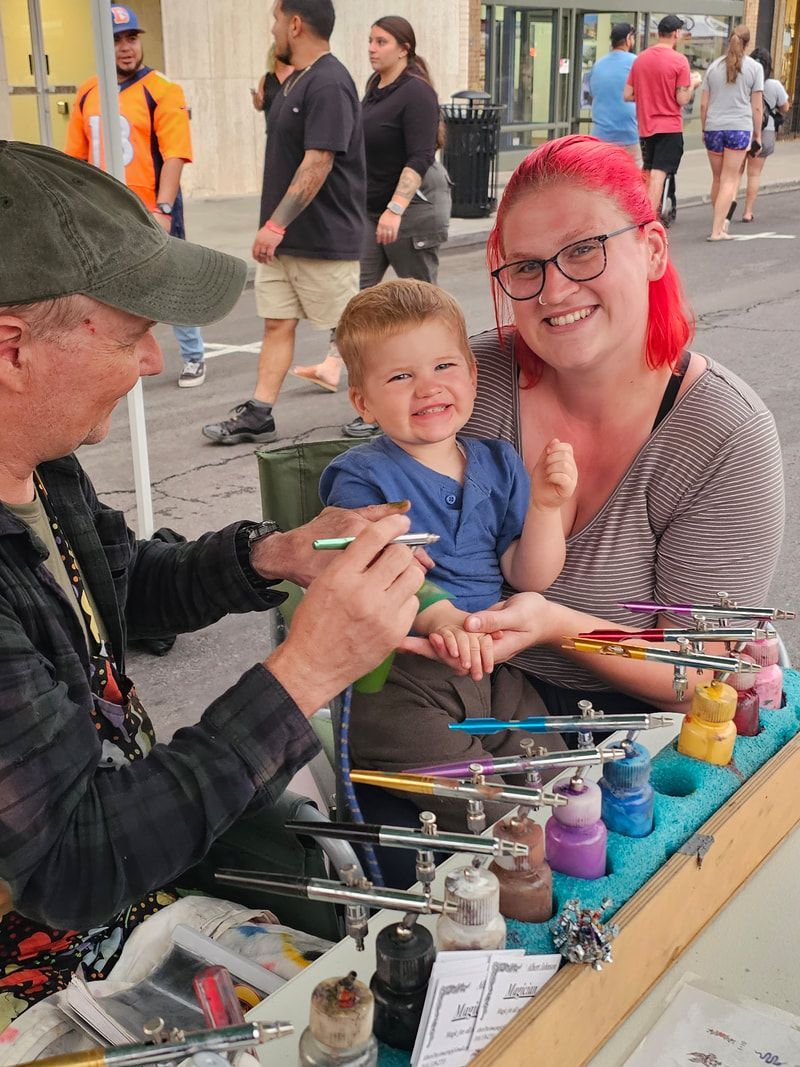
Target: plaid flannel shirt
x=79, y=842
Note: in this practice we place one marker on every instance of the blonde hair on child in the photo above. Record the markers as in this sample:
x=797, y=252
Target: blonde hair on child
x=390, y=308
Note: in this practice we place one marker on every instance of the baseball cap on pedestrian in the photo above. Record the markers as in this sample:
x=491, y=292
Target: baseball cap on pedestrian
x=124, y=20
x=67, y=227
x=669, y=24
x=620, y=32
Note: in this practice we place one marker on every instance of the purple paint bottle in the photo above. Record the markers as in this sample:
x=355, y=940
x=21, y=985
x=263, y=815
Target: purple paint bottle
x=747, y=702
x=768, y=683
x=575, y=835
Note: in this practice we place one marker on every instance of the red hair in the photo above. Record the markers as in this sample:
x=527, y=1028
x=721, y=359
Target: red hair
x=609, y=170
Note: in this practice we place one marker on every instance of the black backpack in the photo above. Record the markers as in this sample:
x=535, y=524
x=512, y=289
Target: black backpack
x=772, y=113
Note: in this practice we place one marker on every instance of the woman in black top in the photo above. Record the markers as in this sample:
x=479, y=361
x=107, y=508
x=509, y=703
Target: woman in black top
x=408, y=192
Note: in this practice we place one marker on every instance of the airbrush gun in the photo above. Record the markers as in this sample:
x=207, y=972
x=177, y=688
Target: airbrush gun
x=679, y=660
x=545, y=762
x=176, y=1047
x=566, y=725
x=475, y=792
x=725, y=608
x=356, y=894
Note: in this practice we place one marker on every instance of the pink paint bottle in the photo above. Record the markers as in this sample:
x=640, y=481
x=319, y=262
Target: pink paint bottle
x=747, y=701
x=575, y=835
x=768, y=683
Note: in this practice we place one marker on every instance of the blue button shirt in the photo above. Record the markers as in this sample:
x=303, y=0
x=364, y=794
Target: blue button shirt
x=476, y=522
x=612, y=119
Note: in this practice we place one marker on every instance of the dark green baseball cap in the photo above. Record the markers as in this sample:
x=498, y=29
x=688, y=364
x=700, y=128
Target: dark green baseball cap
x=67, y=227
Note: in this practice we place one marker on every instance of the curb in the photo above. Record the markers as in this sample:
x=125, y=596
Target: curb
x=476, y=238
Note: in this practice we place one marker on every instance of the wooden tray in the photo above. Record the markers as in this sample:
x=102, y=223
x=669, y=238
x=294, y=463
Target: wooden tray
x=580, y=1008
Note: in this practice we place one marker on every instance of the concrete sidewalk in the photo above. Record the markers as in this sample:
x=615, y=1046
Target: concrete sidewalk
x=230, y=223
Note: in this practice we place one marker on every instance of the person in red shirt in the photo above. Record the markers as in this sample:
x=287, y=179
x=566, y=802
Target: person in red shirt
x=156, y=143
x=661, y=83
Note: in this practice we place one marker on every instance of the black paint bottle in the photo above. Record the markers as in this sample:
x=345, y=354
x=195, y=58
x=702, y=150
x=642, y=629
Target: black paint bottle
x=404, y=957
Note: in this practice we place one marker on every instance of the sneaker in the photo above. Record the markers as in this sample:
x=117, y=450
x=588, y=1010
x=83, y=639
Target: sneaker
x=247, y=424
x=192, y=374
x=359, y=428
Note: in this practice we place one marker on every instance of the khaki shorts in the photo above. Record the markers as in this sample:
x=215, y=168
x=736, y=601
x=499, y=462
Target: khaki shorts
x=292, y=287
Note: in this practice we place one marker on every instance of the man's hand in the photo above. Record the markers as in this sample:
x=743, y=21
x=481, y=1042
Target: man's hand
x=554, y=477
x=265, y=245
x=388, y=228
x=352, y=617
x=290, y=556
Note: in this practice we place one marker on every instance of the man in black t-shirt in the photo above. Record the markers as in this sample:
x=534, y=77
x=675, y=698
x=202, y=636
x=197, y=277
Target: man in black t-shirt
x=312, y=206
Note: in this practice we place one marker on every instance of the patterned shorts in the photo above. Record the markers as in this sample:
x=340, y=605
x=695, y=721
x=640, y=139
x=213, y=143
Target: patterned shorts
x=734, y=140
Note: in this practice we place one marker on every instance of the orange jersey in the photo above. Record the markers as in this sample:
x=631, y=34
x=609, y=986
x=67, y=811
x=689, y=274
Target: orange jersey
x=155, y=127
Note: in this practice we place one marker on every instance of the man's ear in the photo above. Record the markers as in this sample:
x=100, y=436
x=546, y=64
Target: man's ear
x=360, y=404
x=13, y=333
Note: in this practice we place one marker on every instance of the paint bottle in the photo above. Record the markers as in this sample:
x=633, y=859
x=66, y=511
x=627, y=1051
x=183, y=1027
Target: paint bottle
x=747, y=702
x=339, y=1030
x=474, y=920
x=628, y=797
x=526, y=882
x=575, y=835
x=404, y=956
x=768, y=683
x=708, y=732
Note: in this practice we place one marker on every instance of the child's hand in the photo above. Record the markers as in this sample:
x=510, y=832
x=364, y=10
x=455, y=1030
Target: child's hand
x=554, y=477
x=471, y=654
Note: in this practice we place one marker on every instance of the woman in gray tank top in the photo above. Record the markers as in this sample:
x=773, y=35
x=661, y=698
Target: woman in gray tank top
x=776, y=104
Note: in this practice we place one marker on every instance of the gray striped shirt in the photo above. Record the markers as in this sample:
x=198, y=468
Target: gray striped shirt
x=700, y=509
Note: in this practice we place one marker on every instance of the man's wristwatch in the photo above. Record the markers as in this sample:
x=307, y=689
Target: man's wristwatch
x=395, y=208
x=165, y=209
x=262, y=530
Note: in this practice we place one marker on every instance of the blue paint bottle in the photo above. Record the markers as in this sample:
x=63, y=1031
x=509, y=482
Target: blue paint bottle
x=627, y=793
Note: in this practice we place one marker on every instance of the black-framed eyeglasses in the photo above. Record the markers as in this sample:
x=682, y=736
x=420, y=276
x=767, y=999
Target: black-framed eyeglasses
x=579, y=261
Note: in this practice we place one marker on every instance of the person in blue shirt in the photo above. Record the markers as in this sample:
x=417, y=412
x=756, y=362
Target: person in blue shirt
x=613, y=119
x=411, y=369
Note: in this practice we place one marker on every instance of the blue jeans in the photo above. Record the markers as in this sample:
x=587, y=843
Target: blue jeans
x=190, y=340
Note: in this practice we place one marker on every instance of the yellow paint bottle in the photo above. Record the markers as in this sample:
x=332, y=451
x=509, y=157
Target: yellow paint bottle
x=708, y=732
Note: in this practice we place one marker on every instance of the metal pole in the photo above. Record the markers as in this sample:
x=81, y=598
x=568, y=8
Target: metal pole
x=40, y=72
x=113, y=163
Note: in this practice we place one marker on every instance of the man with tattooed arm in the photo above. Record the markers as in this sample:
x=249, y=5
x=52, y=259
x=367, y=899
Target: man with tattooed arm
x=312, y=207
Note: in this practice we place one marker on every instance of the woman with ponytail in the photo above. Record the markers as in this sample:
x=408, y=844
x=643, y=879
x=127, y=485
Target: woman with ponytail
x=776, y=104
x=680, y=489
x=731, y=109
x=408, y=191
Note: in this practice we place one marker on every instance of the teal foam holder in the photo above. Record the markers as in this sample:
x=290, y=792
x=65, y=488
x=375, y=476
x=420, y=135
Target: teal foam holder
x=687, y=793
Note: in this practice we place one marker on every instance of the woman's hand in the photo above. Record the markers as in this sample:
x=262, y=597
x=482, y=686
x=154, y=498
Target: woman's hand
x=388, y=228
x=523, y=620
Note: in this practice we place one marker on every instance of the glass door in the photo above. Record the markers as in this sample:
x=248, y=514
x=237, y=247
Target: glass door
x=523, y=72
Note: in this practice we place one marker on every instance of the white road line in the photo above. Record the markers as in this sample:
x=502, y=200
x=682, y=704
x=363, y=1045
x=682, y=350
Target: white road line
x=213, y=350
x=768, y=235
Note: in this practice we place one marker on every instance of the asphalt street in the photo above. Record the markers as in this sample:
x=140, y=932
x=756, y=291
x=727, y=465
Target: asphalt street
x=745, y=295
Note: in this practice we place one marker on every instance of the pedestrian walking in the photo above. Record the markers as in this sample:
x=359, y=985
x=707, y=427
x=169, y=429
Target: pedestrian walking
x=731, y=107
x=614, y=118
x=156, y=143
x=269, y=84
x=776, y=104
x=661, y=84
x=312, y=207
x=408, y=190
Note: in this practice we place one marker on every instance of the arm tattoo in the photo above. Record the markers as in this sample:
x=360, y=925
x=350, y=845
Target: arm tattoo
x=307, y=181
x=408, y=184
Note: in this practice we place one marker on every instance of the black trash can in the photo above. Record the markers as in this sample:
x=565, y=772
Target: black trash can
x=470, y=152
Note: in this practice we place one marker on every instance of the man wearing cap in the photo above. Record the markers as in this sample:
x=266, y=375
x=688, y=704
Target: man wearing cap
x=95, y=819
x=661, y=84
x=613, y=119
x=156, y=143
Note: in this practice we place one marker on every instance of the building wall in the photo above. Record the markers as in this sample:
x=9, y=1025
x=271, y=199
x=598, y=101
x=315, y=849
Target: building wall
x=216, y=49
x=5, y=100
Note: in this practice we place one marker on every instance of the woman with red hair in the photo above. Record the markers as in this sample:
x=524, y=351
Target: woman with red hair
x=680, y=487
